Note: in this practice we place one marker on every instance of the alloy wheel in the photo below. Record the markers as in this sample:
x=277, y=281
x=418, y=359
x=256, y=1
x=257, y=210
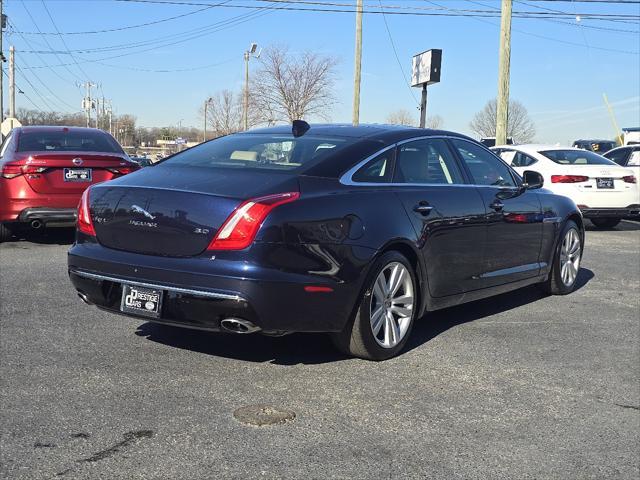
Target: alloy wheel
x=392, y=304
x=570, y=257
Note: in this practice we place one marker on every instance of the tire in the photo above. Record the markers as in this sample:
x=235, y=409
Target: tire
x=358, y=338
x=568, y=252
x=5, y=232
x=605, y=223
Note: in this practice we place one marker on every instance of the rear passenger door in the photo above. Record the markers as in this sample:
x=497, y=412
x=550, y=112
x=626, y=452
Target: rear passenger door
x=446, y=212
x=514, y=217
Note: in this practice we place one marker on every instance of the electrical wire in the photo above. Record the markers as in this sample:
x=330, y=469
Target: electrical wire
x=395, y=52
x=128, y=27
x=22, y=92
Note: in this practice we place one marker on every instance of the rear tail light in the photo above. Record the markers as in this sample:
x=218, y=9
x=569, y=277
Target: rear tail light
x=12, y=171
x=629, y=179
x=239, y=230
x=85, y=224
x=124, y=170
x=568, y=178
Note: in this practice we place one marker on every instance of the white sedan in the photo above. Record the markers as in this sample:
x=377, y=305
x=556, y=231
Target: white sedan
x=604, y=191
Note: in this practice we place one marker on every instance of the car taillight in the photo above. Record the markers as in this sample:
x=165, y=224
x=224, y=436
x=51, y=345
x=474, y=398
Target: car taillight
x=239, y=230
x=11, y=171
x=629, y=179
x=568, y=178
x=124, y=170
x=85, y=224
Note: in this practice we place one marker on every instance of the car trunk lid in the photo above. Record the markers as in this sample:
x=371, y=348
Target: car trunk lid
x=70, y=172
x=174, y=211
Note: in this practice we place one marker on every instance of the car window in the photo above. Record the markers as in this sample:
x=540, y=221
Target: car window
x=426, y=161
x=576, y=157
x=485, y=168
x=634, y=159
x=377, y=170
x=618, y=156
x=508, y=156
x=259, y=151
x=67, y=141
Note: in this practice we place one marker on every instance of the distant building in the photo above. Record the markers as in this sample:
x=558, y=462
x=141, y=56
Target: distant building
x=631, y=136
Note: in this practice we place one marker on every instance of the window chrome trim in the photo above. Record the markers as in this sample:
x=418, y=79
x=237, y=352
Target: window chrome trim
x=347, y=177
x=157, y=286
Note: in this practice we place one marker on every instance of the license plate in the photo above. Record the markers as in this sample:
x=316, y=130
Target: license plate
x=141, y=301
x=77, y=174
x=604, y=182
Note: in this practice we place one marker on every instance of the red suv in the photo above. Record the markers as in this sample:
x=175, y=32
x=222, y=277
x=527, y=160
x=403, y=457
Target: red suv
x=44, y=170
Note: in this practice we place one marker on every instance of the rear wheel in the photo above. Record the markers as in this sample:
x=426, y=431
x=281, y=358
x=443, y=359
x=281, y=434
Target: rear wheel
x=385, y=313
x=5, y=232
x=566, y=262
x=605, y=223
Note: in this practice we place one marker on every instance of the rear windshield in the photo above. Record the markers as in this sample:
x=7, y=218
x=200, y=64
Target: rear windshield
x=69, y=141
x=576, y=157
x=256, y=151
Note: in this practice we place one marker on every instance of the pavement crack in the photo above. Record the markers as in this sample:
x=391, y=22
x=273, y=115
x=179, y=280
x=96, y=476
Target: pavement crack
x=129, y=439
x=633, y=407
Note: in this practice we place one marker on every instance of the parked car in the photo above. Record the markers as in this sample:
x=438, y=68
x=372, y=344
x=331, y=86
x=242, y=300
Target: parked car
x=357, y=231
x=598, y=146
x=44, y=170
x=491, y=141
x=605, y=192
x=627, y=156
x=142, y=161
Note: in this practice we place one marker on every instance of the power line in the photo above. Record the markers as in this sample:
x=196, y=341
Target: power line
x=128, y=27
x=22, y=92
x=24, y=5
x=62, y=39
x=395, y=52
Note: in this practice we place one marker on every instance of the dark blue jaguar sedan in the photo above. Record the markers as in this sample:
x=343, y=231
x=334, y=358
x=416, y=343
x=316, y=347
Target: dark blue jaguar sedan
x=357, y=231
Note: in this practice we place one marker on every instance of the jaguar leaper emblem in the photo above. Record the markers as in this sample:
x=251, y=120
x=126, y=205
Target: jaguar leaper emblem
x=137, y=209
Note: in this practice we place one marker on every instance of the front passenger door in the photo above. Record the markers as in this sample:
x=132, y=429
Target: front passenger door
x=514, y=217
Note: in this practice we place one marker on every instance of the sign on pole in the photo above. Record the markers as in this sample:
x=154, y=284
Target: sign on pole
x=9, y=124
x=425, y=70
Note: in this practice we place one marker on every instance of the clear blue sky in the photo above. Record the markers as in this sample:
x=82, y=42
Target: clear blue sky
x=559, y=71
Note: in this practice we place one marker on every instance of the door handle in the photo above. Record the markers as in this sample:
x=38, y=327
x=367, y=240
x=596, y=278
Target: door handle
x=423, y=208
x=497, y=205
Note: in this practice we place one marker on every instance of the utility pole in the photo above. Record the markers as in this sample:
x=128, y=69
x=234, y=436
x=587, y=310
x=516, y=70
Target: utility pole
x=357, y=65
x=502, y=110
x=12, y=82
x=87, y=103
x=2, y=22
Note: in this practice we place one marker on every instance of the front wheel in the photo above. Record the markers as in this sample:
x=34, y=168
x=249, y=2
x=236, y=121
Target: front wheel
x=605, y=223
x=566, y=261
x=385, y=312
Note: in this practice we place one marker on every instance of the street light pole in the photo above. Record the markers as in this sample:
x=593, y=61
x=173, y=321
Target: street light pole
x=206, y=104
x=247, y=55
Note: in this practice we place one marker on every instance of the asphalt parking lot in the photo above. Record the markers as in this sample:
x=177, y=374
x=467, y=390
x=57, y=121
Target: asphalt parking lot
x=519, y=386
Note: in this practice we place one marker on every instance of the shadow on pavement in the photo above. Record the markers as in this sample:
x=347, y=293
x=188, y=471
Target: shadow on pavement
x=308, y=348
x=44, y=236
x=623, y=226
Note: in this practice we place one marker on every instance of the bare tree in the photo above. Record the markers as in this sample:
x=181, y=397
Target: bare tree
x=291, y=87
x=520, y=127
x=224, y=113
x=404, y=117
x=435, y=122
x=401, y=117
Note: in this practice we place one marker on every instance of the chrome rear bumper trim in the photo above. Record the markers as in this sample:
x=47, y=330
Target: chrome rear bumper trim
x=157, y=286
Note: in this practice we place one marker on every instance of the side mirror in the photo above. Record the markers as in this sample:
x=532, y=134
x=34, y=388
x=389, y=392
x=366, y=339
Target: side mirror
x=532, y=180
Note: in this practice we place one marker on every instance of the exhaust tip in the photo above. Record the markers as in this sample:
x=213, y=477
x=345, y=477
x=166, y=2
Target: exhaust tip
x=35, y=224
x=84, y=298
x=238, y=325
